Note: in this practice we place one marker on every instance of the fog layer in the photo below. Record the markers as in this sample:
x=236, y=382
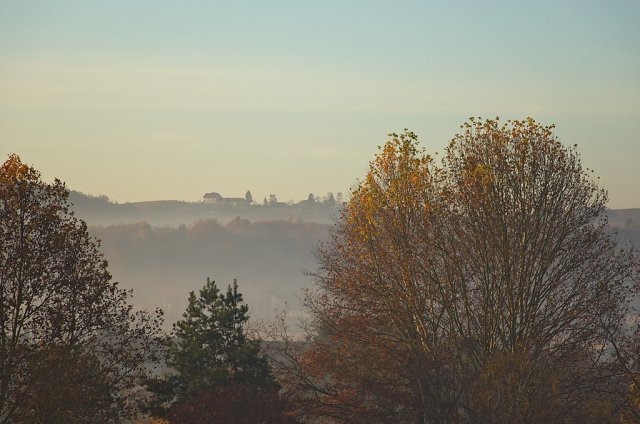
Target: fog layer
x=162, y=264
x=174, y=246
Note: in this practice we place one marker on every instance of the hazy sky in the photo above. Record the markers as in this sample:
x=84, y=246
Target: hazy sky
x=170, y=99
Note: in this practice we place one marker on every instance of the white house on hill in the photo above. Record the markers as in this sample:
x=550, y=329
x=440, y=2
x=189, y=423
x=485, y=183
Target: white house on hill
x=216, y=198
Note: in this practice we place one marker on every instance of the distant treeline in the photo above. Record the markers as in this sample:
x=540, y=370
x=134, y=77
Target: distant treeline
x=162, y=249
x=161, y=264
x=269, y=259
x=626, y=222
x=99, y=210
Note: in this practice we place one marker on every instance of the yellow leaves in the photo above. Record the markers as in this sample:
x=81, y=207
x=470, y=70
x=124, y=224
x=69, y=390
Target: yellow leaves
x=398, y=179
x=13, y=170
x=481, y=170
x=481, y=174
x=634, y=393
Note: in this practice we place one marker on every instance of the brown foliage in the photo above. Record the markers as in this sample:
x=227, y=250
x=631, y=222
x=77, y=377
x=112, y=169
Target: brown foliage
x=64, y=324
x=484, y=289
x=232, y=404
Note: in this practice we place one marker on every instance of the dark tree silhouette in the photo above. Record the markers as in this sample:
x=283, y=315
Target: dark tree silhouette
x=329, y=200
x=233, y=404
x=71, y=349
x=209, y=350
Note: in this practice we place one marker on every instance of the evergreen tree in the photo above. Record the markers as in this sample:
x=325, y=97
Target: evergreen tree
x=209, y=349
x=329, y=200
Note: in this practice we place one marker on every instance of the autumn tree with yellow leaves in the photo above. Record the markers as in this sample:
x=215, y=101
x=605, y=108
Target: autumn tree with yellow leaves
x=483, y=288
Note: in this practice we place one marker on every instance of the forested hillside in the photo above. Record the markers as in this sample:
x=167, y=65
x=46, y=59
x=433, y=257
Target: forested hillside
x=99, y=210
x=161, y=264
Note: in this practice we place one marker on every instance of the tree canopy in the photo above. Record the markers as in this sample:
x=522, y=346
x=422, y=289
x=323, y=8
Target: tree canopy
x=63, y=322
x=484, y=288
x=210, y=356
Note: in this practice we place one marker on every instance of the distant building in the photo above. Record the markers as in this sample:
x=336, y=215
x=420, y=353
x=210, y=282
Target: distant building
x=216, y=198
x=212, y=197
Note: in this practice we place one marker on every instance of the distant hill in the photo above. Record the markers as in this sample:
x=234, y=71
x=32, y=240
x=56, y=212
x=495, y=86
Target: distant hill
x=164, y=249
x=626, y=223
x=162, y=264
x=621, y=217
x=99, y=210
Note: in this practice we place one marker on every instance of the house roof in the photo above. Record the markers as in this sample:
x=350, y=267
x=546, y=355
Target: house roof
x=212, y=195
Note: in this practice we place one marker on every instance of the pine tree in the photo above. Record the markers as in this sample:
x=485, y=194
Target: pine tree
x=209, y=349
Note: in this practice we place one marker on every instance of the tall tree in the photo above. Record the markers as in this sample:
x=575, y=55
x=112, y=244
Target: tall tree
x=479, y=290
x=208, y=350
x=534, y=280
x=63, y=323
x=376, y=353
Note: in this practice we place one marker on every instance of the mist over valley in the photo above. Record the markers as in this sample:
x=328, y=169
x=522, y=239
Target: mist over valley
x=164, y=249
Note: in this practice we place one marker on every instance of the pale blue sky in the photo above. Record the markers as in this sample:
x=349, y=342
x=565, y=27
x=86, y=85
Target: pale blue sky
x=169, y=99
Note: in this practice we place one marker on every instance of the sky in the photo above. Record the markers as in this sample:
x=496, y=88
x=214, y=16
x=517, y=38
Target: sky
x=164, y=99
